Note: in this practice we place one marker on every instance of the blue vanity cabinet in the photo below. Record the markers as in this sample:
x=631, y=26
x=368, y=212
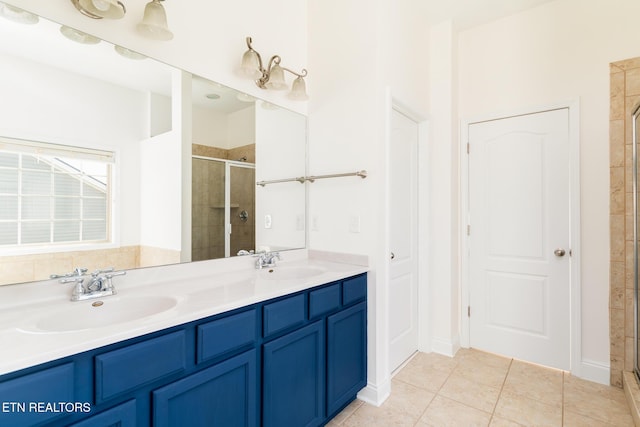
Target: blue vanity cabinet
x=123, y=415
x=293, y=361
x=293, y=378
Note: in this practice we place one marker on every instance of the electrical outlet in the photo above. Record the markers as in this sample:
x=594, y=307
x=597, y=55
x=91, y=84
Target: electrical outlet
x=315, y=226
x=267, y=221
x=354, y=223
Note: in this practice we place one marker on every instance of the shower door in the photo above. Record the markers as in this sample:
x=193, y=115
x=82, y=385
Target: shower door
x=223, y=208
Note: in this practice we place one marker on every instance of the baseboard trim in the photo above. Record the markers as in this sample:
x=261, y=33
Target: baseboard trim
x=375, y=395
x=594, y=371
x=445, y=347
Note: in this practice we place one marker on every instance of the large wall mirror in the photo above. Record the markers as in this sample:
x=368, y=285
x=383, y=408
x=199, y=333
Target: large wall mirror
x=109, y=158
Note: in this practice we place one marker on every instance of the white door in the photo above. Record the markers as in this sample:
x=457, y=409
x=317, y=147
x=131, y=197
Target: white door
x=403, y=271
x=519, y=235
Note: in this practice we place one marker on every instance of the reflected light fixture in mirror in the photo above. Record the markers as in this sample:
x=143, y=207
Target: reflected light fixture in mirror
x=153, y=25
x=18, y=15
x=271, y=77
x=78, y=36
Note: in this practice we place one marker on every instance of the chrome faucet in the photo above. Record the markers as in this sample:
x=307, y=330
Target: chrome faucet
x=267, y=259
x=99, y=284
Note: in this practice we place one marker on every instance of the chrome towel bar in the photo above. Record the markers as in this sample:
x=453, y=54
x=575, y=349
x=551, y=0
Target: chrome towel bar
x=362, y=174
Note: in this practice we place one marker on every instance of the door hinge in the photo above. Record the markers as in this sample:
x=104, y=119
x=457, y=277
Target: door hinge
x=468, y=311
x=468, y=230
x=468, y=148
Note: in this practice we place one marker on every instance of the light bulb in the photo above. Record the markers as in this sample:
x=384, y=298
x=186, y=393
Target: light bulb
x=102, y=5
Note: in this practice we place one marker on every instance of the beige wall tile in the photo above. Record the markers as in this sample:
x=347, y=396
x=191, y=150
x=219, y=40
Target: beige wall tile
x=632, y=82
x=617, y=243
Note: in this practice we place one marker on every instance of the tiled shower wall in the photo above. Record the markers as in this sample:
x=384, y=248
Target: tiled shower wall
x=625, y=94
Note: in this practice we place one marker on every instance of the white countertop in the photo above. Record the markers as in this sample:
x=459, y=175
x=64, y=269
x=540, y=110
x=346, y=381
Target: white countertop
x=187, y=292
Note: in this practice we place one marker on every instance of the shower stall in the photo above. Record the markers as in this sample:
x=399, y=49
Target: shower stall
x=223, y=207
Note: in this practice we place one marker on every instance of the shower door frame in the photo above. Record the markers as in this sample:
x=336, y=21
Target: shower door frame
x=634, y=116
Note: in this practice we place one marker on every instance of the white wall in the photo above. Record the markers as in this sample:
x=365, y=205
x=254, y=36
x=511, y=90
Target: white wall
x=361, y=53
x=558, y=52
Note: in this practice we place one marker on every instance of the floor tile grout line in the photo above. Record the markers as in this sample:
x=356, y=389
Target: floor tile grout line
x=436, y=393
x=495, y=405
x=562, y=399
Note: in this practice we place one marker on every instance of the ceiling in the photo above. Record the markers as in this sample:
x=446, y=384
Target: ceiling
x=470, y=13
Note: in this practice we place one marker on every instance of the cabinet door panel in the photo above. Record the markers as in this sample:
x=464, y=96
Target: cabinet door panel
x=346, y=356
x=293, y=381
x=123, y=415
x=223, y=395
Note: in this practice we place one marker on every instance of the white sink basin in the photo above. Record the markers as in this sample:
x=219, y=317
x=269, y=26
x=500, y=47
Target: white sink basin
x=287, y=273
x=100, y=312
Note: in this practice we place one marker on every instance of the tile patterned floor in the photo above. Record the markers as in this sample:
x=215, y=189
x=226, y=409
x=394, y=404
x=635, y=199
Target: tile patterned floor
x=481, y=389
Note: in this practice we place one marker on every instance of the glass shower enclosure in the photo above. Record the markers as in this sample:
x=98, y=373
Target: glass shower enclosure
x=223, y=208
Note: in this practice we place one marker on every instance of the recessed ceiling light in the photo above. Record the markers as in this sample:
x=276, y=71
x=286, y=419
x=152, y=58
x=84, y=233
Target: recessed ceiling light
x=212, y=96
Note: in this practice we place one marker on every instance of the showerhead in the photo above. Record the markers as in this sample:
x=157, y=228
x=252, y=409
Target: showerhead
x=242, y=159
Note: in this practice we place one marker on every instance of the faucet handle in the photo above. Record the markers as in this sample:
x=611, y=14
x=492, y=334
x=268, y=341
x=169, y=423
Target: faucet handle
x=102, y=271
x=72, y=279
x=77, y=272
x=112, y=273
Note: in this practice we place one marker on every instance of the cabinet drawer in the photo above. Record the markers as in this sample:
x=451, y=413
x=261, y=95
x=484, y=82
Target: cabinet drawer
x=128, y=368
x=47, y=386
x=354, y=290
x=283, y=314
x=324, y=300
x=226, y=335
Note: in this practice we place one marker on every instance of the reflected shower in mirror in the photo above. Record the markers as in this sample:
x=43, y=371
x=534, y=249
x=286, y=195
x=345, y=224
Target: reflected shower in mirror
x=184, y=152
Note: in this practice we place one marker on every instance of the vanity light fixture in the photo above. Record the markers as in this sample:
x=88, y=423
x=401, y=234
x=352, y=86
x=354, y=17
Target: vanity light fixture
x=272, y=77
x=153, y=25
x=98, y=9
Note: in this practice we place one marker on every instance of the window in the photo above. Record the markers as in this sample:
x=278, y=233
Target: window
x=53, y=194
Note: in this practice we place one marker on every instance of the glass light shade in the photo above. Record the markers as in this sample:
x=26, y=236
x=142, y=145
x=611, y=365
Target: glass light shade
x=250, y=66
x=154, y=23
x=276, y=78
x=110, y=9
x=18, y=15
x=299, y=90
x=78, y=36
x=244, y=97
x=129, y=54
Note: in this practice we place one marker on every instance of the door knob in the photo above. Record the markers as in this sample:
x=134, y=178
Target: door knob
x=559, y=252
